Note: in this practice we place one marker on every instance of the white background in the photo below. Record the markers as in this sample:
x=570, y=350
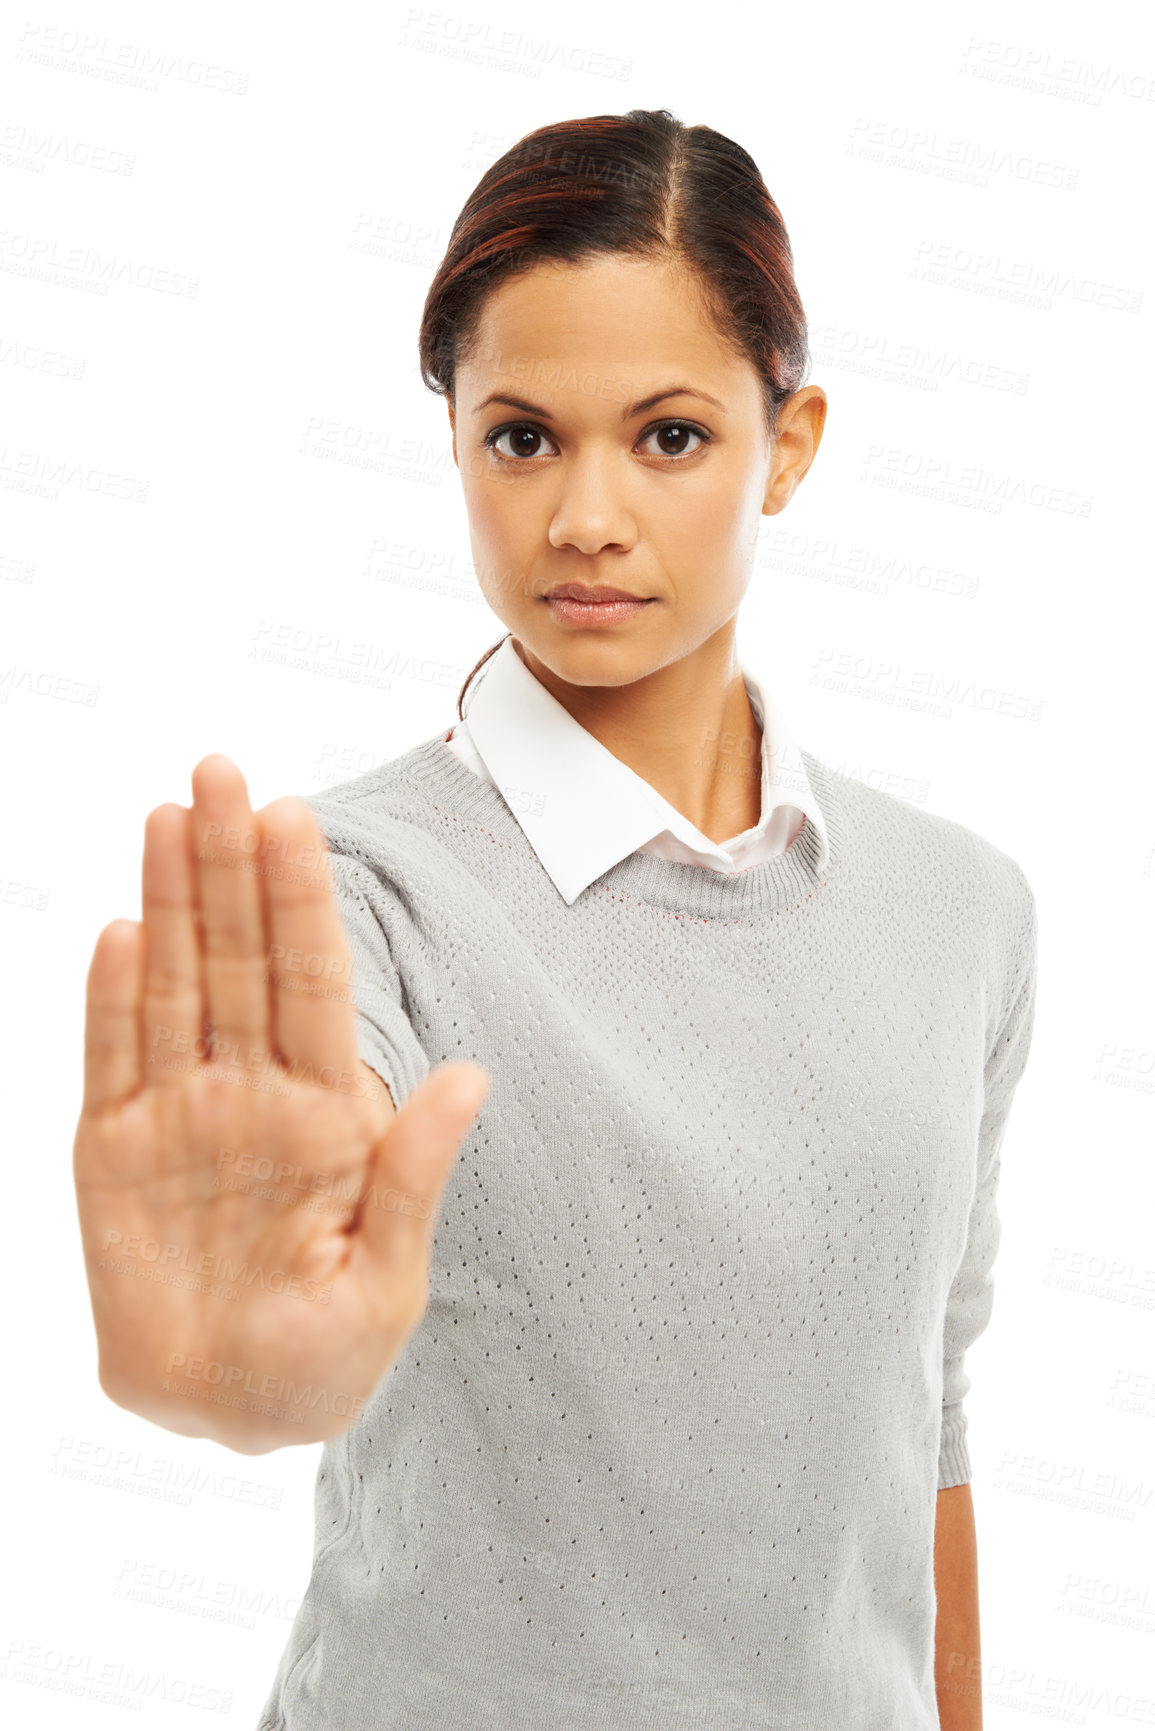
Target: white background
x=967, y=191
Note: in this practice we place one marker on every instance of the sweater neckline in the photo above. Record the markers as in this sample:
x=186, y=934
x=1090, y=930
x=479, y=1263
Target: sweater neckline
x=785, y=880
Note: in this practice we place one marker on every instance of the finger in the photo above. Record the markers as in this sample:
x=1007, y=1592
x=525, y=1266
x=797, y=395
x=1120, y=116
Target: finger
x=228, y=868
x=112, y=1067
x=310, y=969
x=174, y=1010
x=397, y=1217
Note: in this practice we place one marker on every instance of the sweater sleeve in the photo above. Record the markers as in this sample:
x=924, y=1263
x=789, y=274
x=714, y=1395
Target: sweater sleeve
x=972, y=1293
x=386, y=1039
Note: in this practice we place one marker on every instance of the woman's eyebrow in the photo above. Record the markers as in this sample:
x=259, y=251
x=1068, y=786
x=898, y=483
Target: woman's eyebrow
x=637, y=408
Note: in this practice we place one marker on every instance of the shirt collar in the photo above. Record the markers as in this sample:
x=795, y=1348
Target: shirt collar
x=581, y=808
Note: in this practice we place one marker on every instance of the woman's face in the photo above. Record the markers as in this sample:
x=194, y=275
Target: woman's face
x=574, y=474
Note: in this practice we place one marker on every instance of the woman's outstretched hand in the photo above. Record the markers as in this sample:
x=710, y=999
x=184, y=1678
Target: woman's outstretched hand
x=257, y=1217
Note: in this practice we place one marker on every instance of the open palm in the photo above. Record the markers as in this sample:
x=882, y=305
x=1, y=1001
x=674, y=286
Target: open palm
x=257, y=1217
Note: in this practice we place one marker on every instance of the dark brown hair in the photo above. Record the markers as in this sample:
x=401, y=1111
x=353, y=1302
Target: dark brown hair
x=641, y=184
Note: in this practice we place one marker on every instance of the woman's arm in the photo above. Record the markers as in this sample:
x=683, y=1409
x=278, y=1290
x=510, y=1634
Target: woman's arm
x=957, y=1656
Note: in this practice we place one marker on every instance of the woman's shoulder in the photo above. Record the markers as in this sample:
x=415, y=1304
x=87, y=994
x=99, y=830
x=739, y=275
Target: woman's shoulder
x=924, y=866
x=383, y=807
x=891, y=814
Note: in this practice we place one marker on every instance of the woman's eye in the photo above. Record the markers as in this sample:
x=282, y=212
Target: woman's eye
x=521, y=436
x=678, y=430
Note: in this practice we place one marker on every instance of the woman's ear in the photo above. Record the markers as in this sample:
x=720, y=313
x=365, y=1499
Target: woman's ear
x=801, y=420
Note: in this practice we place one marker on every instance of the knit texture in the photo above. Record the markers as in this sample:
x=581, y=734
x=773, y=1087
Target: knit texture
x=665, y=1447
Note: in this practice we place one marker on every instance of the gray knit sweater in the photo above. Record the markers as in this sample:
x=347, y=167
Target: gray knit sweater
x=665, y=1448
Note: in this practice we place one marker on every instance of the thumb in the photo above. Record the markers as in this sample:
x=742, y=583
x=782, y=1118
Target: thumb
x=410, y=1168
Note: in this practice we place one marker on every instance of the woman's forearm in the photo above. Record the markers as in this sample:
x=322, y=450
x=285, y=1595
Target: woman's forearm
x=957, y=1654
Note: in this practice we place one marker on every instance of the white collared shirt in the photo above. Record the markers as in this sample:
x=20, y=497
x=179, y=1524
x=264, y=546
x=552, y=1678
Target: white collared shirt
x=582, y=809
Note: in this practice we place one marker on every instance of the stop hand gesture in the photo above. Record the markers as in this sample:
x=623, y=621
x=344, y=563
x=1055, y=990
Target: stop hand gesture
x=257, y=1217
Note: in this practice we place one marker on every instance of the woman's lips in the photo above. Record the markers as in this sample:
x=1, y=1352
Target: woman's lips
x=583, y=611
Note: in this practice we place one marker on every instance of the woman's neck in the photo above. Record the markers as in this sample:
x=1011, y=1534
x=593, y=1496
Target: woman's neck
x=688, y=729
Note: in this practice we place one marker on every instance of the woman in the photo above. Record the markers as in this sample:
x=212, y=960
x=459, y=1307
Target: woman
x=605, y=1166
